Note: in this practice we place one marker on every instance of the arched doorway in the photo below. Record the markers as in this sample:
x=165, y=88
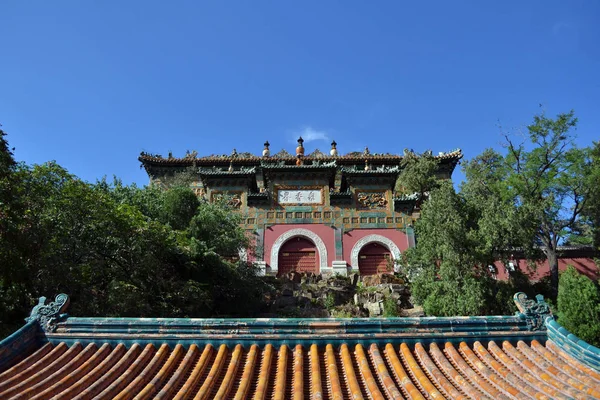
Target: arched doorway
x=374, y=258
x=382, y=241
x=298, y=254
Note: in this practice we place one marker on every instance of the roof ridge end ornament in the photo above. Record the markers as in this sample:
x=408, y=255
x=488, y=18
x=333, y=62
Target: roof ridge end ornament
x=535, y=311
x=48, y=315
x=300, y=148
x=333, y=152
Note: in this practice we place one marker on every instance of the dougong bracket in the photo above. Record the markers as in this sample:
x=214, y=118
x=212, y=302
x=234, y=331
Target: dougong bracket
x=536, y=311
x=49, y=314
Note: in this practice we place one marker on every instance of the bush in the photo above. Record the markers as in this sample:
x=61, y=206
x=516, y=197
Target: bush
x=579, y=305
x=330, y=301
x=390, y=308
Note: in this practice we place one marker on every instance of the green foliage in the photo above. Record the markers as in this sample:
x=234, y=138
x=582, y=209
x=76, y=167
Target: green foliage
x=591, y=211
x=548, y=181
x=362, y=289
x=390, y=308
x=533, y=197
x=530, y=198
x=579, y=305
x=418, y=175
x=448, y=267
x=442, y=268
x=342, y=313
x=329, y=302
x=117, y=250
x=216, y=229
x=179, y=207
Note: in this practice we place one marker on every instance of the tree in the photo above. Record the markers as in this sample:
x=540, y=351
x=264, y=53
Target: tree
x=447, y=277
x=494, y=209
x=579, y=305
x=591, y=211
x=459, y=235
x=547, y=180
x=117, y=250
x=418, y=175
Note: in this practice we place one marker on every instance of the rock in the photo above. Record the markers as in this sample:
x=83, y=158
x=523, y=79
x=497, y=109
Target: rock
x=413, y=312
x=295, y=277
x=341, y=296
x=309, y=278
x=354, y=278
x=401, y=289
x=371, y=280
x=287, y=292
x=375, y=309
x=304, y=301
x=283, y=302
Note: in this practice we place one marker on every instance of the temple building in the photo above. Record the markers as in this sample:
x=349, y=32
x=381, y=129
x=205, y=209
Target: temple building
x=525, y=356
x=317, y=212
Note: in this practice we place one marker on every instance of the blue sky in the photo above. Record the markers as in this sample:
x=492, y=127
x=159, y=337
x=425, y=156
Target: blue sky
x=90, y=84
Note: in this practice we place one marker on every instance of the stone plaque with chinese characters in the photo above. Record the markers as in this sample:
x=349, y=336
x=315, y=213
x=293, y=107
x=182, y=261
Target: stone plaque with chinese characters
x=299, y=196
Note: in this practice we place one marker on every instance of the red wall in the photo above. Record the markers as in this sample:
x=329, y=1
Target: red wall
x=350, y=238
x=584, y=265
x=326, y=234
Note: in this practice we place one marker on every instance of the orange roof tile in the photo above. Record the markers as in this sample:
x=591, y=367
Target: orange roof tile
x=495, y=370
x=528, y=355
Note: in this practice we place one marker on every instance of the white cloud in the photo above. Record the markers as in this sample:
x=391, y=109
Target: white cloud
x=310, y=135
x=560, y=27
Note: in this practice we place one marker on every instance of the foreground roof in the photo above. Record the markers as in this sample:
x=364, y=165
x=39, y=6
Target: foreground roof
x=523, y=356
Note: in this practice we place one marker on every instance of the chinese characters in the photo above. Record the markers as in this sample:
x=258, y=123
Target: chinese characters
x=300, y=196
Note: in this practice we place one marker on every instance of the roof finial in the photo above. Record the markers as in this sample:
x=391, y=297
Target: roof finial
x=266, y=152
x=230, y=167
x=300, y=148
x=367, y=152
x=333, y=150
x=367, y=166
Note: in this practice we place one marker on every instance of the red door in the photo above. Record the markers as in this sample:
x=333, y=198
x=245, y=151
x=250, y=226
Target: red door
x=374, y=259
x=297, y=254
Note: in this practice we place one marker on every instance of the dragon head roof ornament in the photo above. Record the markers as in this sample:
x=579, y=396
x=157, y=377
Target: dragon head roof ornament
x=48, y=315
x=535, y=311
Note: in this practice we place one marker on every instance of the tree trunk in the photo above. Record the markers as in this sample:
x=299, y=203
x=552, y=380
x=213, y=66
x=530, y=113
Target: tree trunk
x=553, y=263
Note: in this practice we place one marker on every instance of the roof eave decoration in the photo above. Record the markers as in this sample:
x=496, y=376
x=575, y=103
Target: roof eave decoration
x=380, y=170
x=281, y=165
x=406, y=198
x=535, y=311
x=454, y=155
x=220, y=172
x=346, y=193
x=406, y=202
x=48, y=315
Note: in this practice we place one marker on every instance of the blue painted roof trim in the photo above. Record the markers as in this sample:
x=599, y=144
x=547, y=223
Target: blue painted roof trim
x=320, y=331
x=527, y=324
x=20, y=344
x=572, y=345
